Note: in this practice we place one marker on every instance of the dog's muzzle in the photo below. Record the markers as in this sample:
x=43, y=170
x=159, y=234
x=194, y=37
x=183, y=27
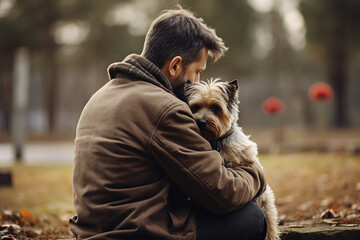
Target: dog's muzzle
x=201, y=123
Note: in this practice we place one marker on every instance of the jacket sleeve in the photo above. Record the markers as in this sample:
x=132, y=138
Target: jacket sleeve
x=196, y=169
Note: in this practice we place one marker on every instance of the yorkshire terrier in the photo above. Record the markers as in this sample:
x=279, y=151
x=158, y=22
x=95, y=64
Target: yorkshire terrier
x=215, y=108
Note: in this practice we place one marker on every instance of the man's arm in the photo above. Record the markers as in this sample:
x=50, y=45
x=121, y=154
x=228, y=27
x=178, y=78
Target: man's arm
x=187, y=158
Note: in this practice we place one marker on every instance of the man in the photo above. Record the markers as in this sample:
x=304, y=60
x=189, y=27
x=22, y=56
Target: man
x=142, y=170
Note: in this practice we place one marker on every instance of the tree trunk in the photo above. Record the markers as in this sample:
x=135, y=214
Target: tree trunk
x=52, y=84
x=338, y=58
x=6, y=90
x=338, y=79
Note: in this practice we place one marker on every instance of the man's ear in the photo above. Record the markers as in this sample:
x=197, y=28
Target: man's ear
x=175, y=67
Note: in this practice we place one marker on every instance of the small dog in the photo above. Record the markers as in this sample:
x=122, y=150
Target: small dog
x=215, y=109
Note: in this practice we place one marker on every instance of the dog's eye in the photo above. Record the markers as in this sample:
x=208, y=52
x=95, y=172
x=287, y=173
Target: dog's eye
x=214, y=108
x=195, y=108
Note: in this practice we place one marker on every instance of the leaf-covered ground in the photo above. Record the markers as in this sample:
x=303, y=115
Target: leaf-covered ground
x=40, y=202
x=314, y=188
x=310, y=188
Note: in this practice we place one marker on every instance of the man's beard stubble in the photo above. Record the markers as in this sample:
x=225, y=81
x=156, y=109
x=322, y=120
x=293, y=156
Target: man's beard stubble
x=179, y=85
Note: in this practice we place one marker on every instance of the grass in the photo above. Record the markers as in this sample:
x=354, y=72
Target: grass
x=305, y=185
x=41, y=189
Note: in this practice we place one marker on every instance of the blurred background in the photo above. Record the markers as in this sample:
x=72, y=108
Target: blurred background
x=297, y=63
x=54, y=55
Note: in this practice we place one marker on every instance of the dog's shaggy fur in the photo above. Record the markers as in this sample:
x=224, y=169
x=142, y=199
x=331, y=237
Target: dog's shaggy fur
x=215, y=108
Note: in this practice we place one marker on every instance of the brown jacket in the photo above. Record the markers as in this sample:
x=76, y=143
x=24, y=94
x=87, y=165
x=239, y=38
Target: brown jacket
x=141, y=167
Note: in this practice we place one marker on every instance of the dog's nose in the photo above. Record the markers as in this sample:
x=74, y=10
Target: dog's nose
x=201, y=123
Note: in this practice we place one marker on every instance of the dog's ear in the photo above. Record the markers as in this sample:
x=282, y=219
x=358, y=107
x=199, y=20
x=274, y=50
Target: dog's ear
x=232, y=90
x=234, y=84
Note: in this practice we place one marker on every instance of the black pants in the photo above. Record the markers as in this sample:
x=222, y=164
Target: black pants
x=247, y=223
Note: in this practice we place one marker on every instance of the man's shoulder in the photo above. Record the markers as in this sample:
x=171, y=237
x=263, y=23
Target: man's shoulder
x=128, y=104
x=146, y=94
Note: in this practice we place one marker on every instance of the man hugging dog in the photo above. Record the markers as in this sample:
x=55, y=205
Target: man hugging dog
x=142, y=169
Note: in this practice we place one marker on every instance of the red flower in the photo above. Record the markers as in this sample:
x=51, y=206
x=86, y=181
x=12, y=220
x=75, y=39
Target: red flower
x=273, y=105
x=320, y=92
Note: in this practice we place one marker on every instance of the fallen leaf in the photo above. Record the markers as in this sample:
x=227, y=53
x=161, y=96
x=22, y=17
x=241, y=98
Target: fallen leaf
x=8, y=212
x=26, y=213
x=10, y=228
x=358, y=186
x=329, y=213
x=8, y=237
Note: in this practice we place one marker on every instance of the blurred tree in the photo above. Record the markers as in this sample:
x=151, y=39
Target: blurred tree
x=113, y=29
x=332, y=33
x=233, y=21
x=28, y=25
x=33, y=24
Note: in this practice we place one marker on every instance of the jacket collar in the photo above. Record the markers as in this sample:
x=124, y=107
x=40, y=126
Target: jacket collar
x=139, y=68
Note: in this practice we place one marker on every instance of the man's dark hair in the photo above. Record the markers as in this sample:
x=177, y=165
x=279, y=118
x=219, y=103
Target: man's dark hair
x=180, y=33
